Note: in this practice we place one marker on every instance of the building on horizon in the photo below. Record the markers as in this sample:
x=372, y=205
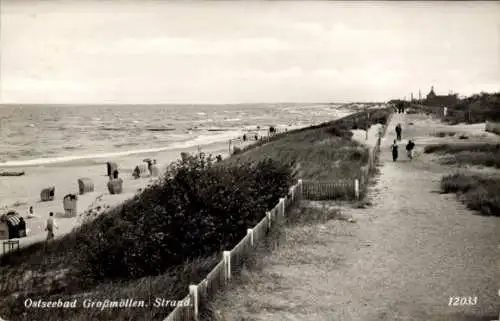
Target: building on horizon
x=440, y=100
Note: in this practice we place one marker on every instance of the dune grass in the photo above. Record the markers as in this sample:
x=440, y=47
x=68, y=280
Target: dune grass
x=477, y=192
x=479, y=154
x=445, y=134
x=300, y=227
x=322, y=152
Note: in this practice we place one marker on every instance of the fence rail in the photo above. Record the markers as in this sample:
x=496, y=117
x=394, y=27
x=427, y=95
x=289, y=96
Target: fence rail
x=233, y=260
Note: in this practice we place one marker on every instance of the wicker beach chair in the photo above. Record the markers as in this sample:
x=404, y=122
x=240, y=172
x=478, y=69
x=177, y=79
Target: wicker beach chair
x=70, y=205
x=111, y=168
x=141, y=170
x=48, y=194
x=85, y=185
x=115, y=186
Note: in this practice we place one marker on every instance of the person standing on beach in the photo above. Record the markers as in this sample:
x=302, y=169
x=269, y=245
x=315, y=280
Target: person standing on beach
x=51, y=224
x=398, y=131
x=409, y=149
x=394, y=149
x=30, y=214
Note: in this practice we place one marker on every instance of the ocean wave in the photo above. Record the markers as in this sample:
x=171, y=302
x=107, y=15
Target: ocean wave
x=113, y=128
x=126, y=144
x=159, y=129
x=72, y=147
x=198, y=141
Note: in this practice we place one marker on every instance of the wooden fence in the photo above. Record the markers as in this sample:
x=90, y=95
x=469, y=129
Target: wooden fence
x=232, y=260
x=347, y=189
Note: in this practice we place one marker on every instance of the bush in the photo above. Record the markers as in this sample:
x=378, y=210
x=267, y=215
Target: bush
x=444, y=134
x=478, y=193
x=199, y=210
x=456, y=148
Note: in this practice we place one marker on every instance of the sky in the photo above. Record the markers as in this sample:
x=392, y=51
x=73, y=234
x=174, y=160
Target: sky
x=155, y=52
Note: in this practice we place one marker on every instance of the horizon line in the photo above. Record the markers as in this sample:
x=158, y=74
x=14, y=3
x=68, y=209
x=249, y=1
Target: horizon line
x=181, y=104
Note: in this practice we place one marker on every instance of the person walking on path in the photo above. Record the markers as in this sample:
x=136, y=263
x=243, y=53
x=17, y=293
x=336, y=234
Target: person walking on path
x=398, y=131
x=394, y=148
x=51, y=224
x=409, y=149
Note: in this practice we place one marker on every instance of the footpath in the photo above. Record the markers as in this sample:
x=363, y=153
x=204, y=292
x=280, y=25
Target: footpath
x=403, y=259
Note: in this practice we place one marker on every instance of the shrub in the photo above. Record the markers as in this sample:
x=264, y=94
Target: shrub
x=477, y=192
x=456, y=148
x=444, y=134
x=199, y=210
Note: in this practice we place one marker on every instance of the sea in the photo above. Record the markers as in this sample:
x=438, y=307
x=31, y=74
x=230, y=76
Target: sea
x=36, y=135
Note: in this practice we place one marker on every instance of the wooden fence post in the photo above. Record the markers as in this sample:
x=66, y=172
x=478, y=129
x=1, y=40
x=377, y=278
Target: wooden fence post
x=282, y=206
x=292, y=192
x=301, y=189
x=193, y=291
x=227, y=265
x=356, y=189
x=250, y=232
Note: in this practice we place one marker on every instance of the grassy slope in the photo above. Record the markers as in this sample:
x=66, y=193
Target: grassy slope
x=476, y=191
x=323, y=152
x=482, y=154
x=319, y=154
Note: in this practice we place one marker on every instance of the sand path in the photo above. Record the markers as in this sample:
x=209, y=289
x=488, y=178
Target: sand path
x=402, y=260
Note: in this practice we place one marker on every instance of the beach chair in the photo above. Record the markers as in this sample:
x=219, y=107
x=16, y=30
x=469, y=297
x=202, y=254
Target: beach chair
x=111, y=168
x=155, y=171
x=48, y=194
x=85, y=185
x=69, y=205
x=141, y=170
x=115, y=186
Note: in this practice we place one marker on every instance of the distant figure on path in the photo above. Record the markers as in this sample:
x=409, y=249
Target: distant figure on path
x=409, y=149
x=51, y=224
x=398, y=131
x=244, y=137
x=394, y=148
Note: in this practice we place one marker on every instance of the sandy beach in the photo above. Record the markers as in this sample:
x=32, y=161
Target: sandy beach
x=19, y=193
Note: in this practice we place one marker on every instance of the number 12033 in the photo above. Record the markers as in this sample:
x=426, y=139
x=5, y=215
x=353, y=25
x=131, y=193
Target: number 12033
x=462, y=300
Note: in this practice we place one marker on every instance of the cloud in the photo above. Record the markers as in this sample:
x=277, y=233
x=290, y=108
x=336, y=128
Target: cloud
x=194, y=46
x=41, y=85
x=284, y=74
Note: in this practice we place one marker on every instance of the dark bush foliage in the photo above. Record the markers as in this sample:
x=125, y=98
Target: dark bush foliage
x=477, y=192
x=456, y=148
x=199, y=210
